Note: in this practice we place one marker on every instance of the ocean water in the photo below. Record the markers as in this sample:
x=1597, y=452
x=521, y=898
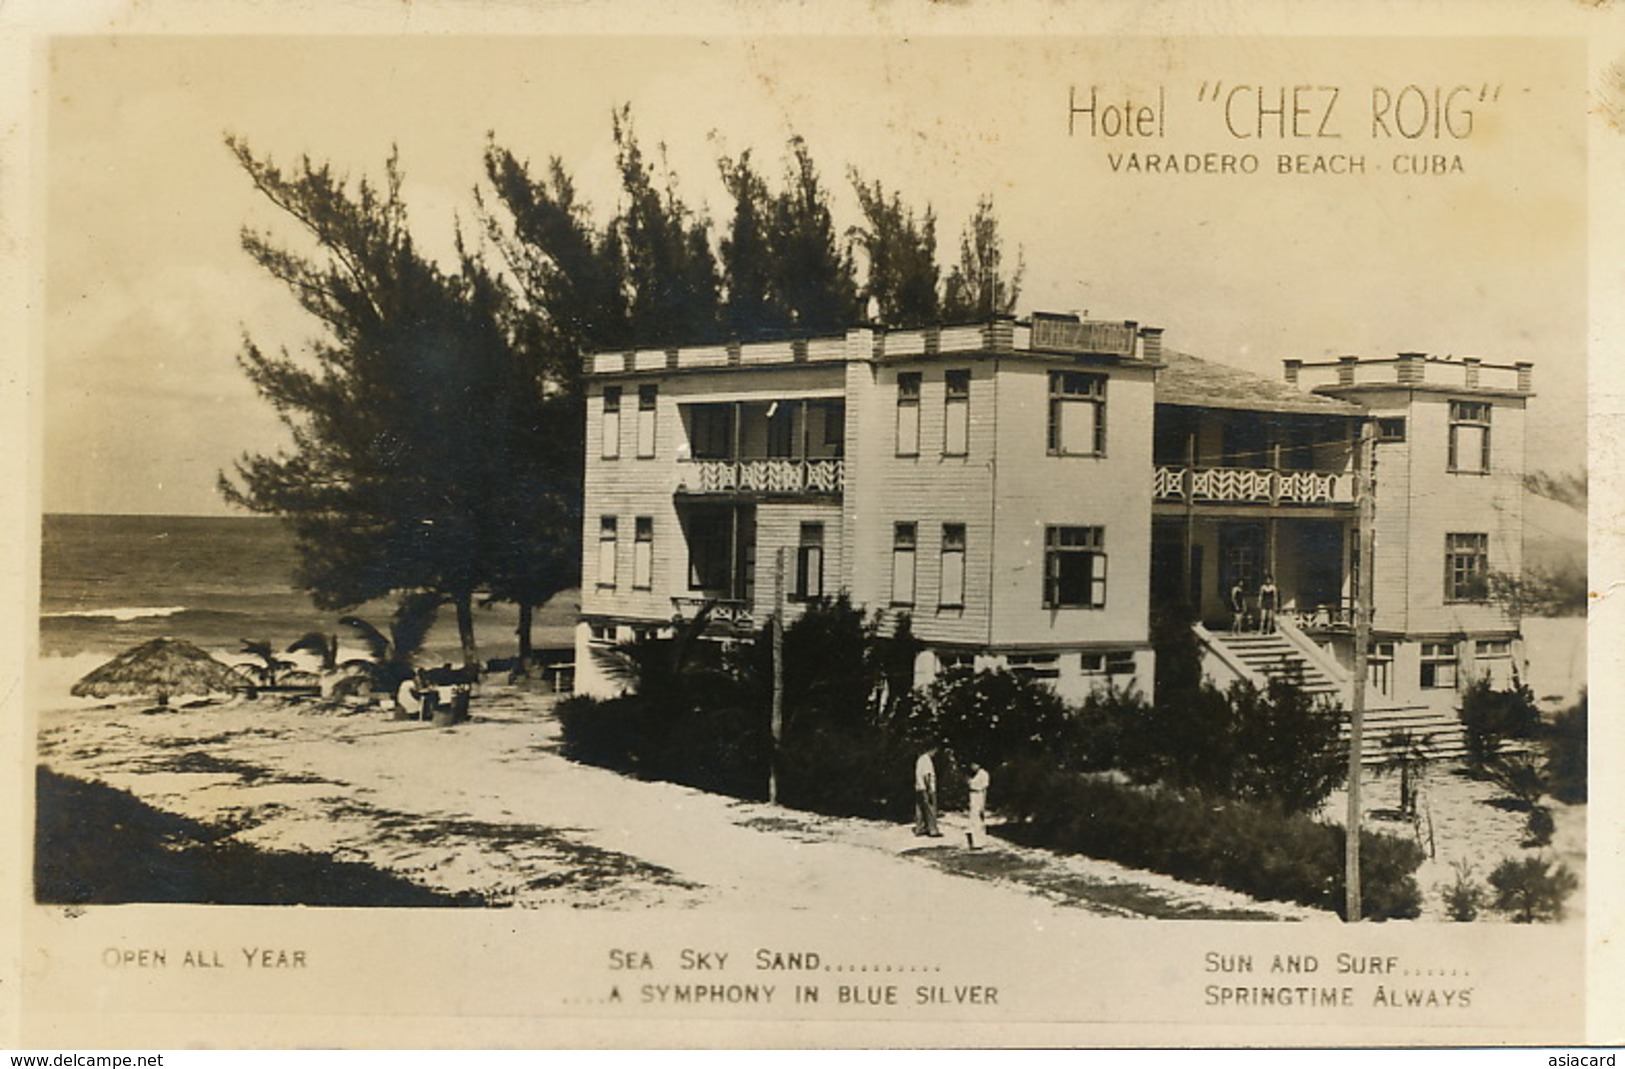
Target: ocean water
x=111, y=582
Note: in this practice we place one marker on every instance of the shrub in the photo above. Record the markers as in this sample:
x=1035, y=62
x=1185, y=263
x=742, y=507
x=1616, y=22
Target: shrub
x=1566, y=754
x=1289, y=744
x=1466, y=896
x=1519, y=776
x=1490, y=716
x=1278, y=744
x=1256, y=848
x=846, y=770
x=1106, y=727
x=598, y=732
x=1540, y=827
x=993, y=716
x=1530, y=889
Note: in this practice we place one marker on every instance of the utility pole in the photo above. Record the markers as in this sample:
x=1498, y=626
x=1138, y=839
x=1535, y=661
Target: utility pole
x=1365, y=497
x=778, y=675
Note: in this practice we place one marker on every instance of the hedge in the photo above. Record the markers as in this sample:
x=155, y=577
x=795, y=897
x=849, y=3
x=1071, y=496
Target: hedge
x=1251, y=847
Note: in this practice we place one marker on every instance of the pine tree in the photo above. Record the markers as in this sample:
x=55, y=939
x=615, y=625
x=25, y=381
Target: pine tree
x=671, y=274
x=977, y=288
x=901, y=254
x=783, y=264
x=404, y=413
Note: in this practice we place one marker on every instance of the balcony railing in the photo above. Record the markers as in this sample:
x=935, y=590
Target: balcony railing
x=1253, y=485
x=762, y=477
x=726, y=613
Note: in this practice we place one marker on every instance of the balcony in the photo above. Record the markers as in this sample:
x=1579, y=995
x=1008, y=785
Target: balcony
x=1258, y=486
x=761, y=478
x=727, y=616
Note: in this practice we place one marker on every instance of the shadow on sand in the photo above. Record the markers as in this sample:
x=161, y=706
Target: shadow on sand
x=94, y=844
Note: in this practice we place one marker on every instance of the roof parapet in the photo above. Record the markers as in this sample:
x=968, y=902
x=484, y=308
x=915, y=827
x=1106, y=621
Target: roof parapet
x=1002, y=334
x=1411, y=370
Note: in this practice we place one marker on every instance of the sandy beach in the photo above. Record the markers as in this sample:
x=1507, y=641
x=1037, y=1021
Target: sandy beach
x=351, y=807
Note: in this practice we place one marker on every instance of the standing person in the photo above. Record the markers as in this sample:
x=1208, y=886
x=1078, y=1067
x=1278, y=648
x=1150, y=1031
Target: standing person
x=1238, y=606
x=1269, y=598
x=978, y=805
x=925, y=795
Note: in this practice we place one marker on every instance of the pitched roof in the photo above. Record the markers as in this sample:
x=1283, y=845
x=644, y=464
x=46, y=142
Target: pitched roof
x=1190, y=380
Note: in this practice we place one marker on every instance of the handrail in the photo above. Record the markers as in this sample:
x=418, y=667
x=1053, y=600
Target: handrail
x=1214, y=645
x=1312, y=652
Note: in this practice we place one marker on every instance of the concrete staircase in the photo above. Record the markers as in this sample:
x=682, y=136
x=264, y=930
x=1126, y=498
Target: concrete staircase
x=1387, y=730
x=1274, y=656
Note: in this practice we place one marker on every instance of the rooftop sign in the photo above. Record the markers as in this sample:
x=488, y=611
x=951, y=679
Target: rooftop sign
x=1069, y=335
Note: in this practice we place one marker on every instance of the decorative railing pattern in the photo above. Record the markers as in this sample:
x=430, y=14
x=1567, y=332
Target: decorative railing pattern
x=1253, y=485
x=763, y=476
x=725, y=612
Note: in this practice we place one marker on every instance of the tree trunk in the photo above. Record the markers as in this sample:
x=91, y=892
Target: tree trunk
x=526, y=612
x=465, y=631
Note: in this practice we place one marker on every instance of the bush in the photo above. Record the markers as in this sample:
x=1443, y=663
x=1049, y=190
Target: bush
x=993, y=717
x=1490, y=716
x=1519, y=776
x=1277, y=745
x=846, y=770
x=1540, y=827
x=1289, y=744
x=1530, y=889
x=603, y=733
x=1566, y=754
x=1466, y=896
x=1256, y=848
x=719, y=745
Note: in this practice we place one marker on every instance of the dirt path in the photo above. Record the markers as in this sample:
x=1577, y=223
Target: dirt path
x=488, y=812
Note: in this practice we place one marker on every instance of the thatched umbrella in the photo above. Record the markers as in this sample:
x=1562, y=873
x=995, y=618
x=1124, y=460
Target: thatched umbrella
x=161, y=667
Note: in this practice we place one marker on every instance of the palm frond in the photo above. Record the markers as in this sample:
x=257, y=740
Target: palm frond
x=378, y=644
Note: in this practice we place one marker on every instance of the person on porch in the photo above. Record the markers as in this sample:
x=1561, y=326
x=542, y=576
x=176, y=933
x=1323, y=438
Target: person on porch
x=1269, y=601
x=1238, y=606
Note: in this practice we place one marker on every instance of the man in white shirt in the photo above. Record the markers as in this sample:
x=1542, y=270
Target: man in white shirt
x=925, y=795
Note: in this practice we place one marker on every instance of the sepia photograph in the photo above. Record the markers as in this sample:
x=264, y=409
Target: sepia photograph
x=919, y=531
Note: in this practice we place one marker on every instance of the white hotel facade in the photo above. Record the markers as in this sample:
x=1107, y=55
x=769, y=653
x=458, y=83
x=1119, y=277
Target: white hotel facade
x=1029, y=491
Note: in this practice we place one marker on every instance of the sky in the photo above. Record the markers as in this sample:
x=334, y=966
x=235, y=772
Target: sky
x=148, y=293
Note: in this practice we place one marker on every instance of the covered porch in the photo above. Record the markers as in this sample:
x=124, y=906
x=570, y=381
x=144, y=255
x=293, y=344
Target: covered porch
x=1197, y=559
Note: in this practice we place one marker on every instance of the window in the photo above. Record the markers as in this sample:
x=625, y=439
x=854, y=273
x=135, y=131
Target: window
x=1077, y=413
x=1108, y=663
x=1466, y=567
x=1439, y=665
x=606, y=551
x=956, y=429
x=1379, y=667
x=952, y=594
x=603, y=634
x=1074, y=568
x=612, y=422
x=710, y=432
x=709, y=550
x=1470, y=437
x=908, y=413
x=781, y=427
x=1034, y=665
x=1391, y=430
x=1494, y=647
x=810, y=563
x=643, y=553
x=902, y=563
x=646, y=419
x=956, y=661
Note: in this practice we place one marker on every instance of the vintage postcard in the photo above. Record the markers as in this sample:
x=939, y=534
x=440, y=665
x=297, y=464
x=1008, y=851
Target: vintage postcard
x=892, y=526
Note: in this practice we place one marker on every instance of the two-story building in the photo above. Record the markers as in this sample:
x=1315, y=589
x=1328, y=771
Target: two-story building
x=1026, y=492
